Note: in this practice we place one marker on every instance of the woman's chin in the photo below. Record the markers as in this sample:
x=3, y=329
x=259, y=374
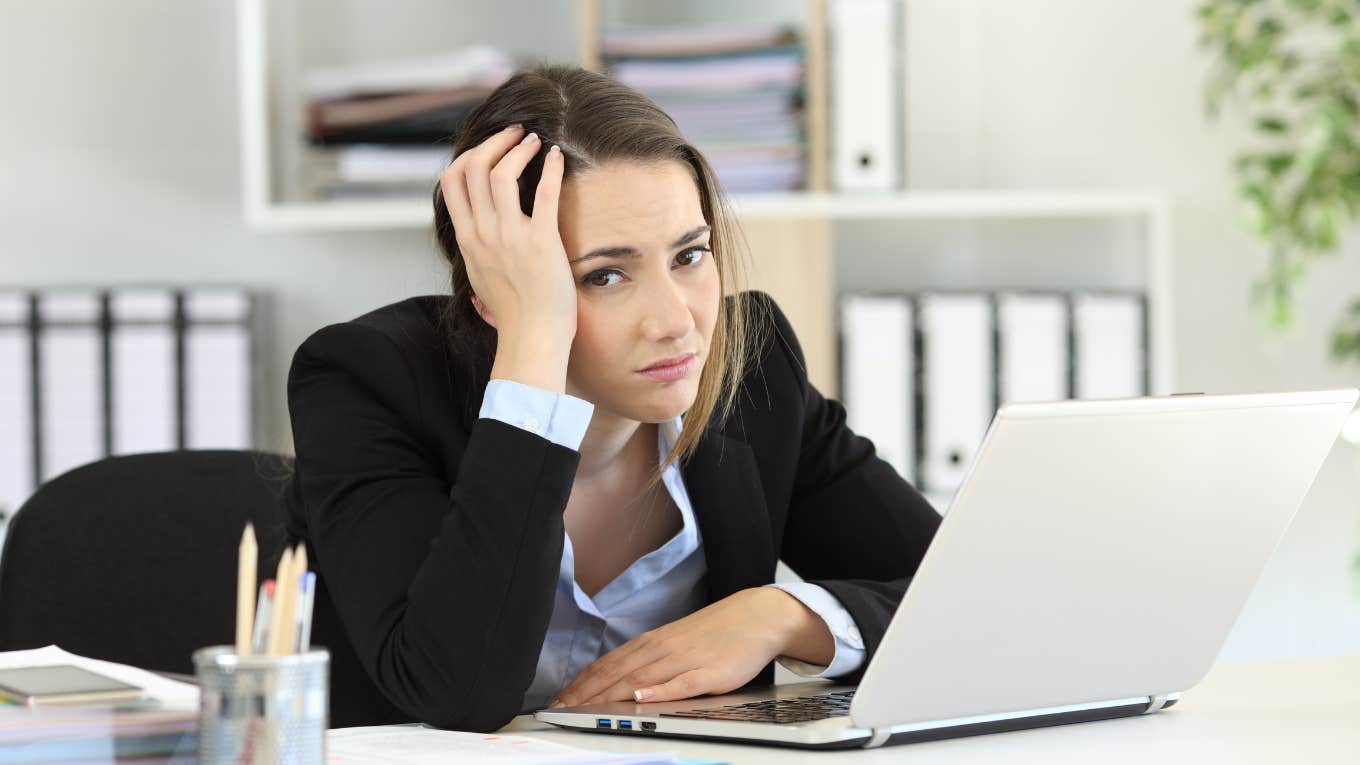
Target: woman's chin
x=665, y=405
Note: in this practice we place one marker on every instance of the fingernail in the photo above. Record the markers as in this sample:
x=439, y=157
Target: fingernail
x=556, y=704
x=529, y=138
x=554, y=150
x=515, y=126
x=642, y=694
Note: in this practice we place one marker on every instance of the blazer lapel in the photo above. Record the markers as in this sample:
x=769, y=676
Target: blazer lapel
x=724, y=489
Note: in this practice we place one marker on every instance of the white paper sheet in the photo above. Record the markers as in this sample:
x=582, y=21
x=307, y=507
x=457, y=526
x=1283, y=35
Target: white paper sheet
x=414, y=745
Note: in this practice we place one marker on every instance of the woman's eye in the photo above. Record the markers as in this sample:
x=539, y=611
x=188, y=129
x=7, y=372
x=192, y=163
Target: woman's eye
x=690, y=257
x=695, y=253
x=594, y=279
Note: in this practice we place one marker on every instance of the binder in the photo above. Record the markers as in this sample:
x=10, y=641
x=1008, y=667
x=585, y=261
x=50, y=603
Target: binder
x=863, y=51
x=16, y=404
x=1032, y=353
x=1109, y=345
x=143, y=370
x=71, y=381
x=217, y=369
x=877, y=370
x=957, y=385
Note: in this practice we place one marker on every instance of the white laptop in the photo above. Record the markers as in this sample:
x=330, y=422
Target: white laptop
x=1090, y=566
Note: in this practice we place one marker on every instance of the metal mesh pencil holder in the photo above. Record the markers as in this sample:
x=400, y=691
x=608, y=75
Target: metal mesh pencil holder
x=262, y=709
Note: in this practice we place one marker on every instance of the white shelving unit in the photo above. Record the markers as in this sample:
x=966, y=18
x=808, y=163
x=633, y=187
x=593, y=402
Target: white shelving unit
x=794, y=224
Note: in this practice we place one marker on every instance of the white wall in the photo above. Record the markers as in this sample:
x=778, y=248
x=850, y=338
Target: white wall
x=118, y=143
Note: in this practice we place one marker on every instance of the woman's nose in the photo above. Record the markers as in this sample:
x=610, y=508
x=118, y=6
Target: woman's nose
x=668, y=316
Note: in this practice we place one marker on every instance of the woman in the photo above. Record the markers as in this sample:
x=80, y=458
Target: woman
x=571, y=480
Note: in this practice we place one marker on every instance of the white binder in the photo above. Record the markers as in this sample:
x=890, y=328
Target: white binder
x=957, y=385
x=878, y=389
x=1109, y=349
x=217, y=369
x=16, y=405
x=143, y=377
x=864, y=94
x=1033, y=354
x=71, y=380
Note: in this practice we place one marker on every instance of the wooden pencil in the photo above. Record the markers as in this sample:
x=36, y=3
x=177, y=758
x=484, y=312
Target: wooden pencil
x=280, y=595
x=286, y=631
x=247, y=561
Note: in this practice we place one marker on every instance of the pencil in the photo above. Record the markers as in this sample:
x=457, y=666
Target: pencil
x=289, y=597
x=287, y=632
x=299, y=604
x=308, y=600
x=280, y=595
x=264, y=607
x=245, y=590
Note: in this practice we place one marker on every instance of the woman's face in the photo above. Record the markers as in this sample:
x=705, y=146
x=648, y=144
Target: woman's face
x=655, y=294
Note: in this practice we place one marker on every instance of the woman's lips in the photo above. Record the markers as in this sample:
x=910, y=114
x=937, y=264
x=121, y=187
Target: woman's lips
x=670, y=372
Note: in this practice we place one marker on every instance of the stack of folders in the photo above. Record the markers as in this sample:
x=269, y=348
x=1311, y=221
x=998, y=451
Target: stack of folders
x=923, y=374
x=89, y=373
x=383, y=129
x=161, y=726
x=736, y=92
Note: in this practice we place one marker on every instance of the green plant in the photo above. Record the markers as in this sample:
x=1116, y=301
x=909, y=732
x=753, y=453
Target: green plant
x=1293, y=67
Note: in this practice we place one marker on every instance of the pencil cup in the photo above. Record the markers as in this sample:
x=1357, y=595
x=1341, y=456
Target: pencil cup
x=262, y=709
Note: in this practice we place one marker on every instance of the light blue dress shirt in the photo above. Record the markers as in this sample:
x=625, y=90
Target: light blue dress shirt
x=662, y=586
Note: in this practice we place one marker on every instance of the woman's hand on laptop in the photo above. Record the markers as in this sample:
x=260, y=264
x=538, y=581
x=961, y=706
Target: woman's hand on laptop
x=716, y=649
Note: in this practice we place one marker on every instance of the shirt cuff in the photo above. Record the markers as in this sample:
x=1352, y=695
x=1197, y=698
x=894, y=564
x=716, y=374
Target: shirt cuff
x=558, y=417
x=849, y=654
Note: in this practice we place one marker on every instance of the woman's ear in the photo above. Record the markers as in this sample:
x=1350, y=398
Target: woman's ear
x=482, y=312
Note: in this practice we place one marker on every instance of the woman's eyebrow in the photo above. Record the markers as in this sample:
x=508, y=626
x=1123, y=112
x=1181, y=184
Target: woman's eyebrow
x=632, y=252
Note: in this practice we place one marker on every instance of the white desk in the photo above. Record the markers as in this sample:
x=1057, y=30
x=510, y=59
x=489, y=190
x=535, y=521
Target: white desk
x=1304, y=711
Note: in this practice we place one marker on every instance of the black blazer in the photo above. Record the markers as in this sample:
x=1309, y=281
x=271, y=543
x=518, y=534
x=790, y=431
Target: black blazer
x=437, y=537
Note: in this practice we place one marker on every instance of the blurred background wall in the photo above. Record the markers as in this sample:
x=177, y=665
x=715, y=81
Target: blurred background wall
x=120, y=148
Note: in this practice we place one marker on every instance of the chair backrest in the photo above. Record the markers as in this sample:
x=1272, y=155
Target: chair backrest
x=133, y=558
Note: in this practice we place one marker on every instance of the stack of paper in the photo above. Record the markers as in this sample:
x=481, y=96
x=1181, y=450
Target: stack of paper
x=163, y=728
x=735, y=92
x=384, y=129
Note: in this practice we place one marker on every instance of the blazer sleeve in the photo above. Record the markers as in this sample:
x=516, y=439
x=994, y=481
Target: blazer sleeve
x=445, y=591
x=855, y=527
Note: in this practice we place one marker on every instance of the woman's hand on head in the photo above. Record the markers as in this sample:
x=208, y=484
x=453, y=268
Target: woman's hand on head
x=716, y=649
x=516, y=264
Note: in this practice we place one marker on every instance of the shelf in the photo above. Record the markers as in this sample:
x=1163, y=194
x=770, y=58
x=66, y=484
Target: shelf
x=270, y=65
x=901, y=205
x=791, y=235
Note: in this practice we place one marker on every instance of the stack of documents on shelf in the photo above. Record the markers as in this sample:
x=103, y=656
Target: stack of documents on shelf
x=384, y=129
x=163, y=727
x=736, y=92
x=417, y=744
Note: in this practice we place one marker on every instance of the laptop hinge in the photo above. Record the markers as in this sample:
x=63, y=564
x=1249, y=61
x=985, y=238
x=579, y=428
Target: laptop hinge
x=877, y=737
x=1156, y=703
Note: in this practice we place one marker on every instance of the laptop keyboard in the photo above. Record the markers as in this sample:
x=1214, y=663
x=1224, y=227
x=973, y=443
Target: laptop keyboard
x=796, y=710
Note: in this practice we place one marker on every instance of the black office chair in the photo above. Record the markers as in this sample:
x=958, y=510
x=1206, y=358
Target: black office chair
x=133, y=559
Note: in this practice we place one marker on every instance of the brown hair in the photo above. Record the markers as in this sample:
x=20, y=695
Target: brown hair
x=597, y=120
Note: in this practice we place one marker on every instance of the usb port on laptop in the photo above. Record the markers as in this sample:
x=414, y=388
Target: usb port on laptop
x=625, y=724
x=601, y=723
